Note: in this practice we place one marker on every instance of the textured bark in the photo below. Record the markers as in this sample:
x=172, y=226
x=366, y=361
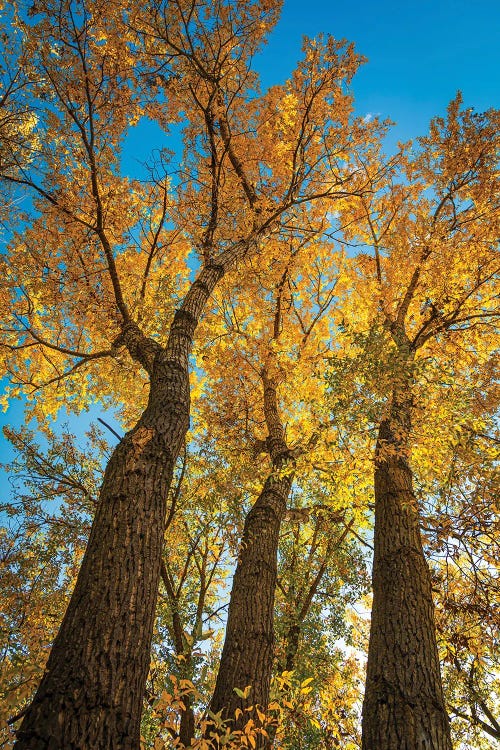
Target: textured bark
x=248, y=648
x=403, y=706
x=247, y=656
x=91, y=695
x=92, y=691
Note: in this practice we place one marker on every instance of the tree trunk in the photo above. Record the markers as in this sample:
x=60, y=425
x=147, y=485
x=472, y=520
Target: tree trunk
x=92, y=691
x=403, y=707
x=91, y=695
x=248, y=653
x=248, y=648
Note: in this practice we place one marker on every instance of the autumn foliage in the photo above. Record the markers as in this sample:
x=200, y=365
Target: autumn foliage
x=297, y=335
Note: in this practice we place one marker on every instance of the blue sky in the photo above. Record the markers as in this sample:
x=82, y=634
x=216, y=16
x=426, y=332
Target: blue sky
x=419, y=54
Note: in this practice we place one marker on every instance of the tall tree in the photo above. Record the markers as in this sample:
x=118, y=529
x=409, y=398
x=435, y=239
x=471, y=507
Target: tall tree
x=272, y=348
x=276, y=333
x=247, y=654
x=106, y=291
x=436, y=271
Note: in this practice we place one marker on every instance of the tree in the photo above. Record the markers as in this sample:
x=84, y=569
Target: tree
x=435, y=270
x=106, y=308
x=276, y=332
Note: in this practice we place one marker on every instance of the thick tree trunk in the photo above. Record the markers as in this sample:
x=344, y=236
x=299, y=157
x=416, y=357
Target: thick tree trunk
x=91, y=695
x=92, y=691
x=247, y=656
x=248, y=648
x=403, y=706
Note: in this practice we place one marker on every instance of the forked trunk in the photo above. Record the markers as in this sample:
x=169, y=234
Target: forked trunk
x=403, y=706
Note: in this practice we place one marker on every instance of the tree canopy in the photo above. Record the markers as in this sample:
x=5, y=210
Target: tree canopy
x=298, y=334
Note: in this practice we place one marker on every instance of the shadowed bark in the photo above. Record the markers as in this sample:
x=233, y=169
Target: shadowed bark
x=247, y=656
x=403, y=706
x=91, y=695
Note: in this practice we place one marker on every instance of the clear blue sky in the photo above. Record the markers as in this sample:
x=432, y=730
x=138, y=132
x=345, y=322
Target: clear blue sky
x=419, y=54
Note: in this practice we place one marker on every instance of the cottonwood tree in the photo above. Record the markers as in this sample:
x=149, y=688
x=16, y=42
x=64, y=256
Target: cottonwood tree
x=276, y=336
x=249, y=628
x=265, y=341
x=436, y=268
x=98, y=299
